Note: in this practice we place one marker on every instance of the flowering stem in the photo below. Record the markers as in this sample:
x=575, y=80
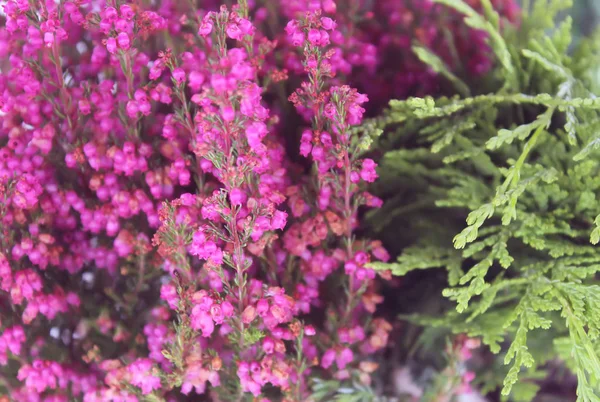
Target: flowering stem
x=243, y=8
x=348, y=216
x=63, y=93
x=189, y=122
x=190, y=125
x=240, y=281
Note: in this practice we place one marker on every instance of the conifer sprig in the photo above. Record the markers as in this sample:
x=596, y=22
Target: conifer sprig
x=519, y=161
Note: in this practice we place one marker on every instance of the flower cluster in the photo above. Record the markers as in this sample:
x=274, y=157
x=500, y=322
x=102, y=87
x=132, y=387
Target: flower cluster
x=372, y=43
x=339, y=174
x=181, y=191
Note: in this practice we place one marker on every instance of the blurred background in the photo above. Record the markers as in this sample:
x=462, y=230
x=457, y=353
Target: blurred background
x=586, y=14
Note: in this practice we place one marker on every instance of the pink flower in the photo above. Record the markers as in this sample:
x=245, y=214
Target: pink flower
x=297, y=38
x=255, y=133
x=268, y=345
x=84, y=107
x=227, y=309
x=41, y=375
x=237, y=196
x=123, y=40
x=48, y=39
x=328, y=23
x=206, y=26
x=234, y=31
x=314, y=37
x=203, y=321
x=127, y=12
x=368, y=172
x=344, y=357
x=328, y=358
x=142, y=376
x=11, y=340
x=169, y=294
x=279, y=220
x=216, y=313
x=196, y=79
x=262, y=307
x=178, y=75
x=248, y=314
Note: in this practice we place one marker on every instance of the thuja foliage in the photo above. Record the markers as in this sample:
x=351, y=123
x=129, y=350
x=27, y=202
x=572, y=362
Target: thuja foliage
x=515, y=154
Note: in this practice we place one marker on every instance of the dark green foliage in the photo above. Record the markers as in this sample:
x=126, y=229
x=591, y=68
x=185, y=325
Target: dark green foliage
x=516, y=156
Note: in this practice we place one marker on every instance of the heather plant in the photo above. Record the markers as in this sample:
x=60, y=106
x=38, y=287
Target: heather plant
x=516, y=157
x=145, y=185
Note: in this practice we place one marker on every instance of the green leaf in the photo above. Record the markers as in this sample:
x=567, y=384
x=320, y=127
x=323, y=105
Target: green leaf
x=438, y=65
x=519, y=353
x=476, y=21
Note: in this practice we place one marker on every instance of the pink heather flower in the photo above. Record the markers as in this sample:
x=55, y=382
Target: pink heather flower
x=216, y=313
x=291, y=27
x=127, y=12
x=203, y=321
x=261, y=225
x=314, y=37
x=246, y=26
x=111, y=14
x=123, y=40
x=27, y=283
x=142, y=376
x=344, y=357
x=279, y=220
x=111, y=45
x=169, y=294
x=465, y=386
x=262, y=307
x=206, y=26
x=350, y=267
x=328, y=23
x=297, y=38
x=324, y=197
x=84, y=107
x=368, y=172
x=48, y=39
x=196, y=377
x=132, y=109
x=329, y=6
x=157, y=335
x=196, y=79
x=237, y=197
x=227, y=309
x=268, y=345
x=324, y=39
x=41, y=375
x=305, y=148
x=27, y=191
x=255, y=133
x=361, y=258
x=309, y=330
x=228, y=113
x=328, y=358
x=206, y=249
x=178, y=75
x=234, y=31
x=11, y=340
x=248, y=314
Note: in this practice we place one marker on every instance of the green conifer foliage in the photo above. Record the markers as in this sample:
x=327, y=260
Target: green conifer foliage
x=516, y=157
